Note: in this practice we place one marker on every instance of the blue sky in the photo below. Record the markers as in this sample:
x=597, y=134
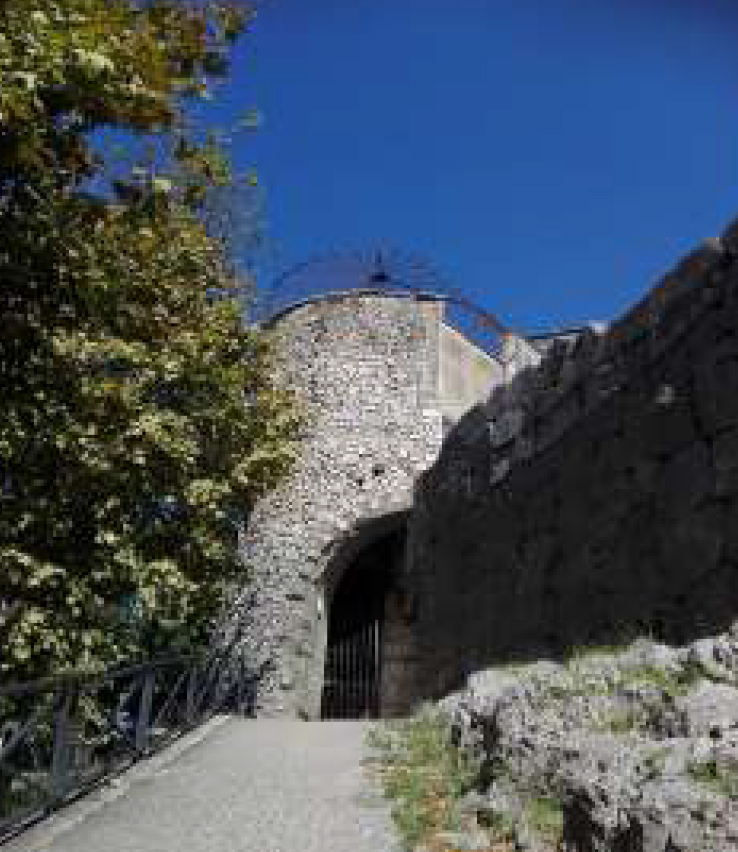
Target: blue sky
x=551, y=157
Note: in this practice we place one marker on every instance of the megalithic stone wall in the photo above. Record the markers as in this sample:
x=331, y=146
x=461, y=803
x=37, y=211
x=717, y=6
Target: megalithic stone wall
x=594, y=496
x=364, y=367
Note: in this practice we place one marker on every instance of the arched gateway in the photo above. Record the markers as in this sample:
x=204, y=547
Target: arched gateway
x=328, y=616
x=368, y=655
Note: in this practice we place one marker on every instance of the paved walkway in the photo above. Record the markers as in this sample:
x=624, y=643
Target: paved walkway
x=245, y=786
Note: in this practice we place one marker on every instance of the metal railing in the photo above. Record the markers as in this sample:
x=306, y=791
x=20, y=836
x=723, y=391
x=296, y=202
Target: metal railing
x=62, y=736
x=386, y=271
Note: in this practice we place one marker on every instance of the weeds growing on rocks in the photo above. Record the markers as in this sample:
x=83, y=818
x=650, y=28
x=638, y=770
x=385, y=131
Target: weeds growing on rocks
x=722, y=779
x=545, y=815
x=423, y=774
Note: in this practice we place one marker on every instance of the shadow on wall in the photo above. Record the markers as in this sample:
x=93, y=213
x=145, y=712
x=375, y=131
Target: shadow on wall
x=594, y=498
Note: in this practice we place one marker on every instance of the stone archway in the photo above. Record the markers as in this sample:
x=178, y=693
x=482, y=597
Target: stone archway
x=370, y=652
x=354, y=657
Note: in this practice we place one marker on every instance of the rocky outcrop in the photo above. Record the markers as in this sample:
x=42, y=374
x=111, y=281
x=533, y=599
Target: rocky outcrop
x=635, y=749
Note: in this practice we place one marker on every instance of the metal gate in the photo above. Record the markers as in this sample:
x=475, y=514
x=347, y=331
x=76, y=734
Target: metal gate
x=353, y=665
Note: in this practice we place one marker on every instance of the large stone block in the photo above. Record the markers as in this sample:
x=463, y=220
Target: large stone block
x=716, y=388
x=665, y=423
x=685, y=479
x=691, y=545
x=725, y=461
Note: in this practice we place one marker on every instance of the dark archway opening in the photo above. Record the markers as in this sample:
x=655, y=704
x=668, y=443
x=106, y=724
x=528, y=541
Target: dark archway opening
x=353, y=678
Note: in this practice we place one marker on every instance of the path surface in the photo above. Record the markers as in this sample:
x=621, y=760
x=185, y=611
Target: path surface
x=246, y=786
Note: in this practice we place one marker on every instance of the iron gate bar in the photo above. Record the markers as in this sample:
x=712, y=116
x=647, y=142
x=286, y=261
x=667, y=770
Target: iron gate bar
x=363, y=683
x=352, y=670
x=374, y=685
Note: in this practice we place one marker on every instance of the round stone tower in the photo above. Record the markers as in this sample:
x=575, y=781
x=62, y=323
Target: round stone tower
x=328, y=616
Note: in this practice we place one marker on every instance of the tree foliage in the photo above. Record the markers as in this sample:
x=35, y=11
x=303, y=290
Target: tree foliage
x=139, y=422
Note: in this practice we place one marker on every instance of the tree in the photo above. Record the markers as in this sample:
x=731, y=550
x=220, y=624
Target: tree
x=139, y=422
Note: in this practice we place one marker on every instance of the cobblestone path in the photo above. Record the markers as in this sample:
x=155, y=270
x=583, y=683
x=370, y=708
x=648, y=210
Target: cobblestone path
x=246, y=786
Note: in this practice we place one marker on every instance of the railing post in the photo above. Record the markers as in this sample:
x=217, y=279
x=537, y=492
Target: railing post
x=61, y=748
x=223, y=675
x=191, y=708
x=241, y=687
x=144, y=711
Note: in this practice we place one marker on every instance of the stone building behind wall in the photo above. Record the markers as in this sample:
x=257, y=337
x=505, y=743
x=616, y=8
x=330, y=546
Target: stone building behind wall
x=380, y=376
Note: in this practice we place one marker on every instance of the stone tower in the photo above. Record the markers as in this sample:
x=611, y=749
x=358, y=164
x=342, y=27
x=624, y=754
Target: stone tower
x=379, y=376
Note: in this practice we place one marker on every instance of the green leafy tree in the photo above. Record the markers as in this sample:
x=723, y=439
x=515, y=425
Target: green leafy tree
x=139, y=421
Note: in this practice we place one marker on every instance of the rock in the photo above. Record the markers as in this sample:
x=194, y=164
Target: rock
x=527, y=840
x=663, y=815
x=503, y=802
x=717, y=658
x=506, y=426
x=711, y=709
x=673, y=815
x=471, y=804
x=645, y=652
x=464, y=841
x=640, y=747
